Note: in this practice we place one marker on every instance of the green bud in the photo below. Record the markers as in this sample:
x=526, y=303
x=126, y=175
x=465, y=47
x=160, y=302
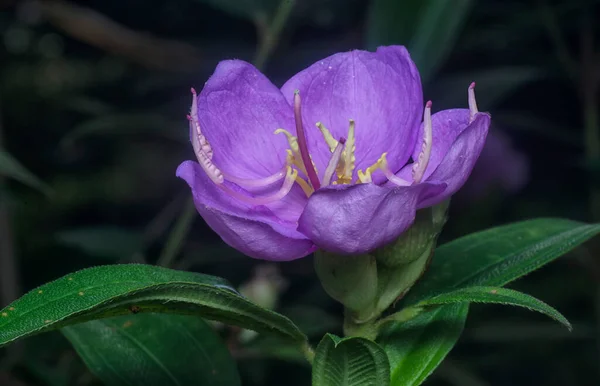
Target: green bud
x=402, y=263
x=351, y=280
x=417, y=239
x=369, y=284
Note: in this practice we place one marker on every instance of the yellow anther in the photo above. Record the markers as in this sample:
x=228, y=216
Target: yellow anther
x=293, y=141
x=291, y=161
x=382, y=161
x=366, y=176
x=308, y=190
x=346, y=167
x=292, y=173
x=331, y=142
x=293, y=154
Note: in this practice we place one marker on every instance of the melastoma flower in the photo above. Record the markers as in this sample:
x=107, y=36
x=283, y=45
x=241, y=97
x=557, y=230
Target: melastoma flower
x=340, y=158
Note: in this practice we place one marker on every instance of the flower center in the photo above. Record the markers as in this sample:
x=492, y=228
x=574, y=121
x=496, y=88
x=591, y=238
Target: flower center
x=298, y=159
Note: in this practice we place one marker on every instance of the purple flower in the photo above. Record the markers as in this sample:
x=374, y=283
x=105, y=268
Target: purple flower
x=337, y=159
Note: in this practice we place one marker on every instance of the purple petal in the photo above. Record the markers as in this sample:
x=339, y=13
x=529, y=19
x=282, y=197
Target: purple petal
x=239, y=109
x=380, y=90
x=256, y=231
x=256, y=239
x=459, y=161
x=360, y=218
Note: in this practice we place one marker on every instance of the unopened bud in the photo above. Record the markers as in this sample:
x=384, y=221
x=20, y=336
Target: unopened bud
x=351, y=280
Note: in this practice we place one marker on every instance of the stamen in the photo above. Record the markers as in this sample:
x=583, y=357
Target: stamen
x=383, y=165
x=331, y=142
x=292, y=141
x=287, y=185
x=420, y=165
x=199, y=141
x=472, y=103
x=210, y=169
x=305, y=186
x=366, y=176
x=349, y=159
x=333, y=162
x=310, y=170
x=262, y=182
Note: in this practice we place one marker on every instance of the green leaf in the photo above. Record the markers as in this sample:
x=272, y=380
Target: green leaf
x=499, y=255
x=103, y=241
x=429, y=28
x=350, y=362
x=12, y=168
x=500, y=296
x=416, y=348
x=124, y=289
x=154, y=349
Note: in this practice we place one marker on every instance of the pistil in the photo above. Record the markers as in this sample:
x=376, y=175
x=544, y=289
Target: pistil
x=303, y=148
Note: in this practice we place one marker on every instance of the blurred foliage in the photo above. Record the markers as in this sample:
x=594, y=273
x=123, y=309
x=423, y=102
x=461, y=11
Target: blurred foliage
x=93, y=98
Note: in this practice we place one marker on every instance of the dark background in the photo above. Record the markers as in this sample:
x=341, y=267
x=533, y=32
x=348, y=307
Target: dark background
x=93, y=98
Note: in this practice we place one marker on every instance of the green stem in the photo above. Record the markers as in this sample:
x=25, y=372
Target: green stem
x=178, y=234
x=364, y=329
x=308, y=351
x=269, y=37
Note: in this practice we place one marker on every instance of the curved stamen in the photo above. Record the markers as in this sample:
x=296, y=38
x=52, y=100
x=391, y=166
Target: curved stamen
x=293, y=156
x=210, y=168
x=472, y=103
x=258, y=183
x=383, y=165
x=199, y=141
x=420, y=166
x=310, y=170
x=333, y=161
x=287, y=185
x=331, y=142
x=292, y=141
x=308, y=190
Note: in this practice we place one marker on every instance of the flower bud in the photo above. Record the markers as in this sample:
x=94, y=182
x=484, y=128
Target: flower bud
x=351, y=280
x=401, y=263
x=368, y=284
